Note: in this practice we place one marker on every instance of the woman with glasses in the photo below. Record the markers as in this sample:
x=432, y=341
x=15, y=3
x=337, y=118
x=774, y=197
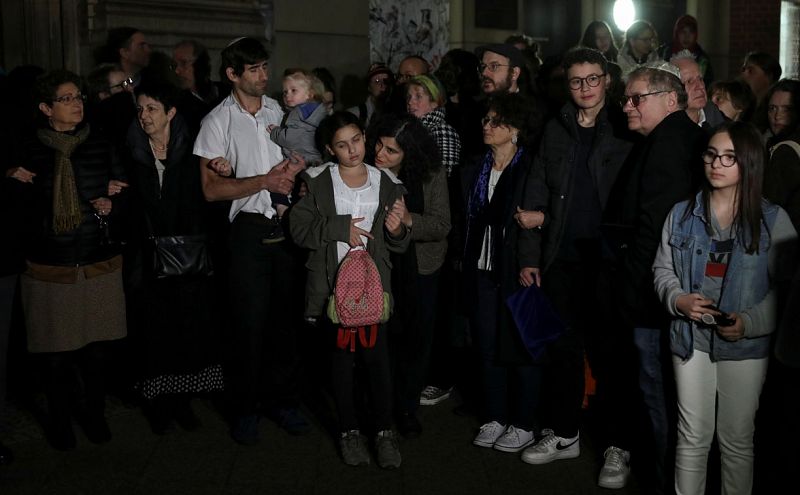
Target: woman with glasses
x=425, y=100
x=72, y=288
x=494, y=187
x=638, y=47
x=721, y=256
x=782, y=173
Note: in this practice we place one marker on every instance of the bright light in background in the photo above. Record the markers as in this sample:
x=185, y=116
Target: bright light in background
x=624, y=14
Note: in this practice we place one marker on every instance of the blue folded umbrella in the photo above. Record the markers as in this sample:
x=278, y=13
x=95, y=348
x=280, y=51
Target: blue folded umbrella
x=536, y=319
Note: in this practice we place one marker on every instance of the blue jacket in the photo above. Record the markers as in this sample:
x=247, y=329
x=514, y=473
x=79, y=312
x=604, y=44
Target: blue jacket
x=747, y=289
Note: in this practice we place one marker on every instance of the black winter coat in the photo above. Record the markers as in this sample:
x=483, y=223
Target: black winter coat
x=662, y=170
x=94, y=164
x=550, y=185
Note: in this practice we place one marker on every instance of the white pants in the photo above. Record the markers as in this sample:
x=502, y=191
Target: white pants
x=727, y=391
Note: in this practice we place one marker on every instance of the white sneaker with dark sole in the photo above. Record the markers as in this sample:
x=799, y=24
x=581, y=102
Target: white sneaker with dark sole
x=552, y=447
x=488, y=434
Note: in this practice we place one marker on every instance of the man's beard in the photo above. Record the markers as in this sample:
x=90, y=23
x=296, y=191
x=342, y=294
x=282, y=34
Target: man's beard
x=502, y=88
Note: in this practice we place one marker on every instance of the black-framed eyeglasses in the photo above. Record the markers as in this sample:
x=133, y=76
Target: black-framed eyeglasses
x=492, y=66
x=636, y=100
x=124, y=84
x=494, y=123
x=726, y=160
x=592, y=80
x=68, y=99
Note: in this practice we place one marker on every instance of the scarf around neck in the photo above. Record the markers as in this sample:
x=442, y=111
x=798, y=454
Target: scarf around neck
x=67, y=213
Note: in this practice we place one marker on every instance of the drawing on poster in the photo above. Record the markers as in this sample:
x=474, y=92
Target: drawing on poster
x=398, y=28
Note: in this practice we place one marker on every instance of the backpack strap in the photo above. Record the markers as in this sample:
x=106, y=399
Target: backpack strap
x=792, y=144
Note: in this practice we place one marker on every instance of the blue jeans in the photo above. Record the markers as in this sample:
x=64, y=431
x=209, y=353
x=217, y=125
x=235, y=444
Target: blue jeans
x=652, y=380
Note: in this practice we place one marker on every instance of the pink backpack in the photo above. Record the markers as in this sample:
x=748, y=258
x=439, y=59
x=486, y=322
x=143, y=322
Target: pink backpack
x=358, y=299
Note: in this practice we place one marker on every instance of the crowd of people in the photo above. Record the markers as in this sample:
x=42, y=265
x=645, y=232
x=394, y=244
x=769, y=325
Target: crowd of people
x=650, y=208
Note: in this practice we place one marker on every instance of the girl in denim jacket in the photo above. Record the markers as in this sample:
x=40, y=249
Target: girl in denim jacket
x=715, y=272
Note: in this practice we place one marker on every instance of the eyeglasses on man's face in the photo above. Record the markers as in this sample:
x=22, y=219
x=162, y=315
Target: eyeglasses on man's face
x=69, y=99
x=726, y=160
x=636, y=100
x=123, y=84
x=592, y=80
x=492, y=66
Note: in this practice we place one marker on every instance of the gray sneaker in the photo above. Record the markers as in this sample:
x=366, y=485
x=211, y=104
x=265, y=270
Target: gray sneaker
x=387, y=449
x=616, y=468
x=354, y=448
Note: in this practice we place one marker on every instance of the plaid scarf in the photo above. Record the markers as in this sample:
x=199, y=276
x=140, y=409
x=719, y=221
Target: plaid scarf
x=67, y=213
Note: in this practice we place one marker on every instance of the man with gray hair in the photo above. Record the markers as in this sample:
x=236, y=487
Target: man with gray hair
x=662, y=169
x=699, y=108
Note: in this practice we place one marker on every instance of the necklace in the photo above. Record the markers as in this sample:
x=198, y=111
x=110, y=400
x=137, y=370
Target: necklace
x=157, y=148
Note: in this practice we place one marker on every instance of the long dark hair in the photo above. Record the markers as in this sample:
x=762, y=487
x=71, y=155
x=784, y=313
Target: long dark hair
x=750, y=159
x=589, y=39
x=791, y=86
x=421, y=156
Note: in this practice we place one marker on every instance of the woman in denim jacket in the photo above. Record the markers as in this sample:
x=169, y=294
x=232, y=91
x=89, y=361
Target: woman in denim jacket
x=715, y=271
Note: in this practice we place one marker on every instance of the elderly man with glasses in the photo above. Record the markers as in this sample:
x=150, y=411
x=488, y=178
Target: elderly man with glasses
x=663, y=169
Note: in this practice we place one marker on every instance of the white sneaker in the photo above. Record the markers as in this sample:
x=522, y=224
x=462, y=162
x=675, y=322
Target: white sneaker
x=513, y=440
x=488, y=434
x=552, y=447
x=431, y=395
x=615, y=469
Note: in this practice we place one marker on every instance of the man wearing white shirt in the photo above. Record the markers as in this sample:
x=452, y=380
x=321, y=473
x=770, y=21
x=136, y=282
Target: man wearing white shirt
x=239, y=163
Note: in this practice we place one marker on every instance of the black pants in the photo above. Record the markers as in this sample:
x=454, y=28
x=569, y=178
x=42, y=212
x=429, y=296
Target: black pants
x=372, y=365
x=413, y=341
x=578, y=292
x=266, y=310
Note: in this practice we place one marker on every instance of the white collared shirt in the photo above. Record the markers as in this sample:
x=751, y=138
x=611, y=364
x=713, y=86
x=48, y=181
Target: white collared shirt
x=359, y=202
x=232, y=132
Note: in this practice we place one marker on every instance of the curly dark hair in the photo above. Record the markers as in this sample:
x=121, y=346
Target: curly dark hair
x=421, y=156
x=47, y=84
x=512, y=109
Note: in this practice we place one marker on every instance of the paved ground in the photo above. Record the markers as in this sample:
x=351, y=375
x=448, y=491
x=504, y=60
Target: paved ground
x=442, y=461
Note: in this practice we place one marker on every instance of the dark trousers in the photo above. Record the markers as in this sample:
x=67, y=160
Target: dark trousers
x=8, y=286
x=413, y=341
x=373, y=366
x=578, y=292
x=65, y=371
x=509, y=391
x=265, y=307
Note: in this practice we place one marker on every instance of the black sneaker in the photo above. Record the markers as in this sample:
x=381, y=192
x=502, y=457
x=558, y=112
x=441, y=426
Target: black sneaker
x=387, y=450
x=244, y=429
x=290, y=419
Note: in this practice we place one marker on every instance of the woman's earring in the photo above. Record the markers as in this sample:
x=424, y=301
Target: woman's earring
x=514, y=139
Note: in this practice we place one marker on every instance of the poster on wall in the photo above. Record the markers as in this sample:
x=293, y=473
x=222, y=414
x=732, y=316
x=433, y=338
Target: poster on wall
x=398, y=28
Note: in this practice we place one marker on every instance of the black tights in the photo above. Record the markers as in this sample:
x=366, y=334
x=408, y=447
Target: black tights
x=375, y=363
x=89, y=365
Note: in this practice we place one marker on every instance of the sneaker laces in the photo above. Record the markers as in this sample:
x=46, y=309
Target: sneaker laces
x=549, y=438
x=491, y=426
x=512, y=432
x=615, y=458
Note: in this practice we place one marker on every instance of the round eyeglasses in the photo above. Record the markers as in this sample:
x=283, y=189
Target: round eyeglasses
x=726, y=160
x=592, y=80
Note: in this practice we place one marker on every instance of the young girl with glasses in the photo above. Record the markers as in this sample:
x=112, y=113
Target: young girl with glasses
x=716, y=272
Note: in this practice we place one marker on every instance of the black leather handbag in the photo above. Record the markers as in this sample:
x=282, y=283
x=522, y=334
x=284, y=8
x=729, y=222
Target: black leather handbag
x=180, y=255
